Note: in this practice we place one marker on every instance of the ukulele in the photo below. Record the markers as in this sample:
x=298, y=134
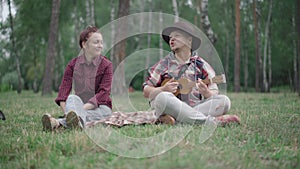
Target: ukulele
x=185, y=85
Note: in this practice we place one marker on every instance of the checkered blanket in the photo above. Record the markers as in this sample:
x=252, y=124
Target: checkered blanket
x=120, y=119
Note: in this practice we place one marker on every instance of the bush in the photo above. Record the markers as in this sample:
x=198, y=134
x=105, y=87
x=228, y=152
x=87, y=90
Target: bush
x=9, y=81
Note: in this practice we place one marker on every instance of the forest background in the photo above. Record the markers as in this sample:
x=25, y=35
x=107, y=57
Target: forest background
x=257, y=40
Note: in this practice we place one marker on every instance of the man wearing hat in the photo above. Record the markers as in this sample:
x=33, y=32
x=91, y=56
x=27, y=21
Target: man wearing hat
x=161, y=86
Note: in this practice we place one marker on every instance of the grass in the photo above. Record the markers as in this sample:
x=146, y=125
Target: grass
x=267, y=138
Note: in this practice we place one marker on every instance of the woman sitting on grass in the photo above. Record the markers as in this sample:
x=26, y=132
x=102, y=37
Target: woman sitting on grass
x=91, y=75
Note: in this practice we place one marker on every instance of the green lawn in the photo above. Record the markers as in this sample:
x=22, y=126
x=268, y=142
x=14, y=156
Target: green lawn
x=268, y=137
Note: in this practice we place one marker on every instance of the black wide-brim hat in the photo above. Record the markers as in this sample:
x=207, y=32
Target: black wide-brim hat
x=185, y=27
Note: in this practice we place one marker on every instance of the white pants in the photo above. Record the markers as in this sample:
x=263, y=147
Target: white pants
x=74, y=103
x=168, y=103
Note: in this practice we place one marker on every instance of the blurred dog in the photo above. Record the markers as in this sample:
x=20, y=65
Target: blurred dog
x=2, y=117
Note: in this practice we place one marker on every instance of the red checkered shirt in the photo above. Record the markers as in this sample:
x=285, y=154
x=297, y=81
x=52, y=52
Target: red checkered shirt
x=92, y=82
x=196, y=68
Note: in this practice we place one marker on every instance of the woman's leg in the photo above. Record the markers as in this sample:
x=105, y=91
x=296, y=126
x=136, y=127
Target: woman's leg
x=75, y=104
x=99, y=113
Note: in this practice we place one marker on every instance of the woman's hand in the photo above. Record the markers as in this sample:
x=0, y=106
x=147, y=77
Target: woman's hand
x=88, y=106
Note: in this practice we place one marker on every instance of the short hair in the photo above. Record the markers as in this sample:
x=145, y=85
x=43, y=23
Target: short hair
x=85, y=34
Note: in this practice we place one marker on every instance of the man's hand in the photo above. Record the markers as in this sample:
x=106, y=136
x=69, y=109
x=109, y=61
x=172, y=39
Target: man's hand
x=203, y=89
x=170, y=86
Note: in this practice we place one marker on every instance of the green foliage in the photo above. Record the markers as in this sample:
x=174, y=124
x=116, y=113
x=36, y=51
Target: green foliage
x=9, y=81
x=32, y=22
x=267, y=138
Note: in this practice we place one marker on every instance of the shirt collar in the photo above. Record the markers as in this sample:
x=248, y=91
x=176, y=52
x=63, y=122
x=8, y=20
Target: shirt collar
x=192, y=58
x=95, y=62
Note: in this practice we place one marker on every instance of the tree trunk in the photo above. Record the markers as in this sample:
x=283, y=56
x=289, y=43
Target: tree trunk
x=92, y=3
x=51, y=51
x=206, y=23
x=298, y=38
x=237, y=47
x=175, y=9
x=113, y=30
x=160, y=39
x=265, y=78
x=227, y=42
x=1, y=15
x=295, y=61
x=147, y=62
x=257, y=48
x=87, y=12
x=141, y=25
x=15, y=54
x=120, y=49
x=245, y=54
x=270, y=62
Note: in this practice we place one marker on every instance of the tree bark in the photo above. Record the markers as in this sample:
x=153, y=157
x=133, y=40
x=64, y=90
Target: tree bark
x=120, y=48
x=298, y=38
x=175, y=9
x=257, y=48
x=267, y=30
x=51, y=51
x=113, y=30
x=15, y=54
x=237, y=47
x=1, y=15
x=206, y=23
x=147, y=61
x=92, y=4
x=160, y=39
x=270, y=61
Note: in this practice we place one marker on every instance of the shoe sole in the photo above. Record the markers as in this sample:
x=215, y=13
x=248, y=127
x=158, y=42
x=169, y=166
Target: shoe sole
x=166, y=119
x=229, y=119
x=73, y=120
x=46, y=121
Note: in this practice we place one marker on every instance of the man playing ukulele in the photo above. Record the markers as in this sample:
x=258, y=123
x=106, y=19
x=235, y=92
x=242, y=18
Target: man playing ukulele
x=163, y=88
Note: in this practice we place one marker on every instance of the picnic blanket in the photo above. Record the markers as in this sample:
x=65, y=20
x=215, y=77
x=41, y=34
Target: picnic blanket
x=120, y=119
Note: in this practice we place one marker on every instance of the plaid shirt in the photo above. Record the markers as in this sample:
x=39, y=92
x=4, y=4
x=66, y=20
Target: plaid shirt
x=92, y=82
x=195, y=68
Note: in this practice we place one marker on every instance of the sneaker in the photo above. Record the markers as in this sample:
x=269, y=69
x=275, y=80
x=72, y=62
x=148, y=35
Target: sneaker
x=74, y=121
x=49, y=123
x=226, y=119
x=166, y=119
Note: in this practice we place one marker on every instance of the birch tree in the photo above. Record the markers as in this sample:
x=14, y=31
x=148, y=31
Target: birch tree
x=257, y=47
x=51, y=51
x=298, y=39
x=92, y=4
x=175, y=8
x=147, y=62
x=237, y=47
x=113, y=30
x=206, y=23
x=1, y=15
x=15, y=54
x=120, y=48
x=266, y=86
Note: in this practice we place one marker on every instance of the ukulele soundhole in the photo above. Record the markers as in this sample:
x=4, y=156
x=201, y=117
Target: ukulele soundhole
x=179, y=86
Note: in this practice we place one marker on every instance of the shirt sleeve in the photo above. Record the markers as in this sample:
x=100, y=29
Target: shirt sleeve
x=154, y=74
x=210, y=74
x=66, y=84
